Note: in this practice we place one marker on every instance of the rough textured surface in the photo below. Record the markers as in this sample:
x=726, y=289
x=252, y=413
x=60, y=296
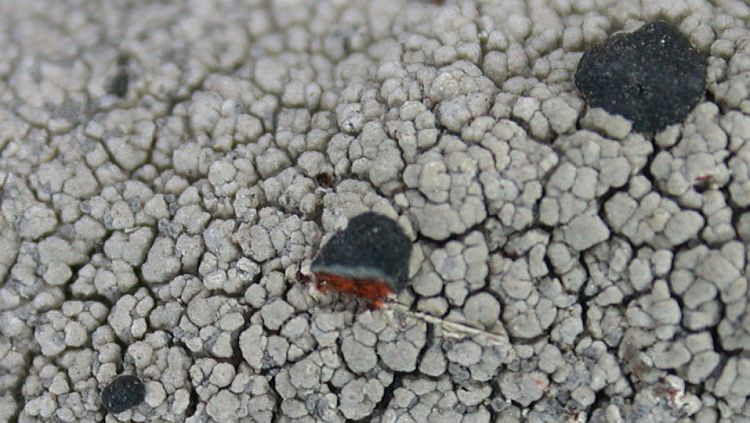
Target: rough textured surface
x=169, y=171
x=652, y=76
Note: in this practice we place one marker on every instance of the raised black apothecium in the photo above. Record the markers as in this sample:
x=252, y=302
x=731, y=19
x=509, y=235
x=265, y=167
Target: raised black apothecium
x=370, y=259
x=652, y=76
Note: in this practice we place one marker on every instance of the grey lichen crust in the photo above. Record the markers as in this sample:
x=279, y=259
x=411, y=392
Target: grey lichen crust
x=168, y=171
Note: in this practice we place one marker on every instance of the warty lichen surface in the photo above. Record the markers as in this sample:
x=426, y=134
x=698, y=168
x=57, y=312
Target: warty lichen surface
x=168, y=171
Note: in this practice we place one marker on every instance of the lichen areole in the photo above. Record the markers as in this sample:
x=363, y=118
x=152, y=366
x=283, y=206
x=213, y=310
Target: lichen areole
x=124, y=393
x=652, y=76
x=369, y=259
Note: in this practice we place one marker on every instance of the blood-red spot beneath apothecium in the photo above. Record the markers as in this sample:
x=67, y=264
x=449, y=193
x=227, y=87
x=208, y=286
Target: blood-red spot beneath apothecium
x=374, y=291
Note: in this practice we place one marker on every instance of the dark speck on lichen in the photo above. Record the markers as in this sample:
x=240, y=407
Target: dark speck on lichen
x=324, y=179
x=120, y=83
x=652, y=76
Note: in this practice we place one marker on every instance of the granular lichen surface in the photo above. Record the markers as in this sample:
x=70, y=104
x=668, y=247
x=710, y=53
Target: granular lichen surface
x=170, y=170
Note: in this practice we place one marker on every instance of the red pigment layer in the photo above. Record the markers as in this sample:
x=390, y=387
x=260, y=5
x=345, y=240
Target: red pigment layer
x=374, y=290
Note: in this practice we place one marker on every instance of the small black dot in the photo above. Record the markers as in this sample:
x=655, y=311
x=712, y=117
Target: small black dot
x=652, y=76
x=122, y=60
x=120, y=83
x=324, y=179
x=124, y=393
